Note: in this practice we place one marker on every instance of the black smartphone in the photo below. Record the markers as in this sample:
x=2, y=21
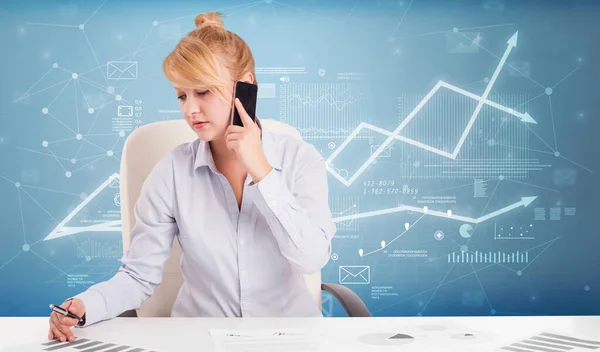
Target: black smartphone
x=247, y=93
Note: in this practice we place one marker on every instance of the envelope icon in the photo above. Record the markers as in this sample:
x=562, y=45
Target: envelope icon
x=355, y=274
x=122, y=69
x=385, y=153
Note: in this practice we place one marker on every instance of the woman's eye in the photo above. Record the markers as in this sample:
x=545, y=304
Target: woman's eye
x=181, y=97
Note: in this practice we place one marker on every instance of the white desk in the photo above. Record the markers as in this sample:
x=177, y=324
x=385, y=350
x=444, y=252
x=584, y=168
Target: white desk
x=192, y=334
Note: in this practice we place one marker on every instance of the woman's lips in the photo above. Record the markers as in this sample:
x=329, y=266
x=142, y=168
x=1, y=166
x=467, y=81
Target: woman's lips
x=200, y=124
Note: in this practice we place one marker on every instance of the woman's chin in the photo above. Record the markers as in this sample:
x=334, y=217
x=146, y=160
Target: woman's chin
x=207, y=135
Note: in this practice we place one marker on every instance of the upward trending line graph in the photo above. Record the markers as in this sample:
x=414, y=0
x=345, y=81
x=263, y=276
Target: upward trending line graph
x=524, y=202
x=481, y=100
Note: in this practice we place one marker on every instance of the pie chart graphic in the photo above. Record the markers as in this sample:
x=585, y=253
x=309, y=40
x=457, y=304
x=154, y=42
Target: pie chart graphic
x=466, y=230
x=386, y=339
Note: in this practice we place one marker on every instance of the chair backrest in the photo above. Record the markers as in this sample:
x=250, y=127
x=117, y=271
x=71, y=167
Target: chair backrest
x=142, y=150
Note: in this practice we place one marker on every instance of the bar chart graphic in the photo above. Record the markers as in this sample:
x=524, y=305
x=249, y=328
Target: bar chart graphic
x=488, y=257
x=98, y=250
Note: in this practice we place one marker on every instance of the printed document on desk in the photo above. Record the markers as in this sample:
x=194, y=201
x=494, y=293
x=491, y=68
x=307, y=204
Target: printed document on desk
x=79, y=345
x=269, y=340
x=553, y=341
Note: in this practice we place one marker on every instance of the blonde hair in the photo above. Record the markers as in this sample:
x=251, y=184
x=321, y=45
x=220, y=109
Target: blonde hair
x=198, y=58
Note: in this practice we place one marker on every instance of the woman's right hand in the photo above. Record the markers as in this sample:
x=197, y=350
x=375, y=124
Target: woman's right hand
x=60, y=325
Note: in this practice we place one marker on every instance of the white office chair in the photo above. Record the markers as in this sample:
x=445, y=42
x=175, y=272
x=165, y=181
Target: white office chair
x=142, y=150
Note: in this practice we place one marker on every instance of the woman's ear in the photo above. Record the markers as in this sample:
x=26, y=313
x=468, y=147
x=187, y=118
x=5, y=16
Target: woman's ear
x=248, y=78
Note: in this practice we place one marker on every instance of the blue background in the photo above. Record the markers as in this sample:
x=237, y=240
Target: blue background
x=325, y=67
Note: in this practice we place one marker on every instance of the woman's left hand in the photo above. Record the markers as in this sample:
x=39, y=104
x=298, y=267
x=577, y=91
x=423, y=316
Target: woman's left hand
x=247, y=144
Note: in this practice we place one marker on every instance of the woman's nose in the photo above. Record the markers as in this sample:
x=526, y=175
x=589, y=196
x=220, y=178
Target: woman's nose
x=190, y=108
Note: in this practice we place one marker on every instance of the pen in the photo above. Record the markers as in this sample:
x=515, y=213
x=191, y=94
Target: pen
x=61, y=310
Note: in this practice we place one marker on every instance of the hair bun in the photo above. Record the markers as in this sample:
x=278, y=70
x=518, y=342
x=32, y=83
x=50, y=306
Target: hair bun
x=209, y=19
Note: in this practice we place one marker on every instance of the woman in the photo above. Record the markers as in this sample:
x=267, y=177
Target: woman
x=249, y=207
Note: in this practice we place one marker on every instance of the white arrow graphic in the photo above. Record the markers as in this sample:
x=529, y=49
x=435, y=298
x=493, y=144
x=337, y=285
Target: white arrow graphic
x=525, y=201
x=525, y=117
x=512, y=42
x=110, y=226
x=394, y=135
